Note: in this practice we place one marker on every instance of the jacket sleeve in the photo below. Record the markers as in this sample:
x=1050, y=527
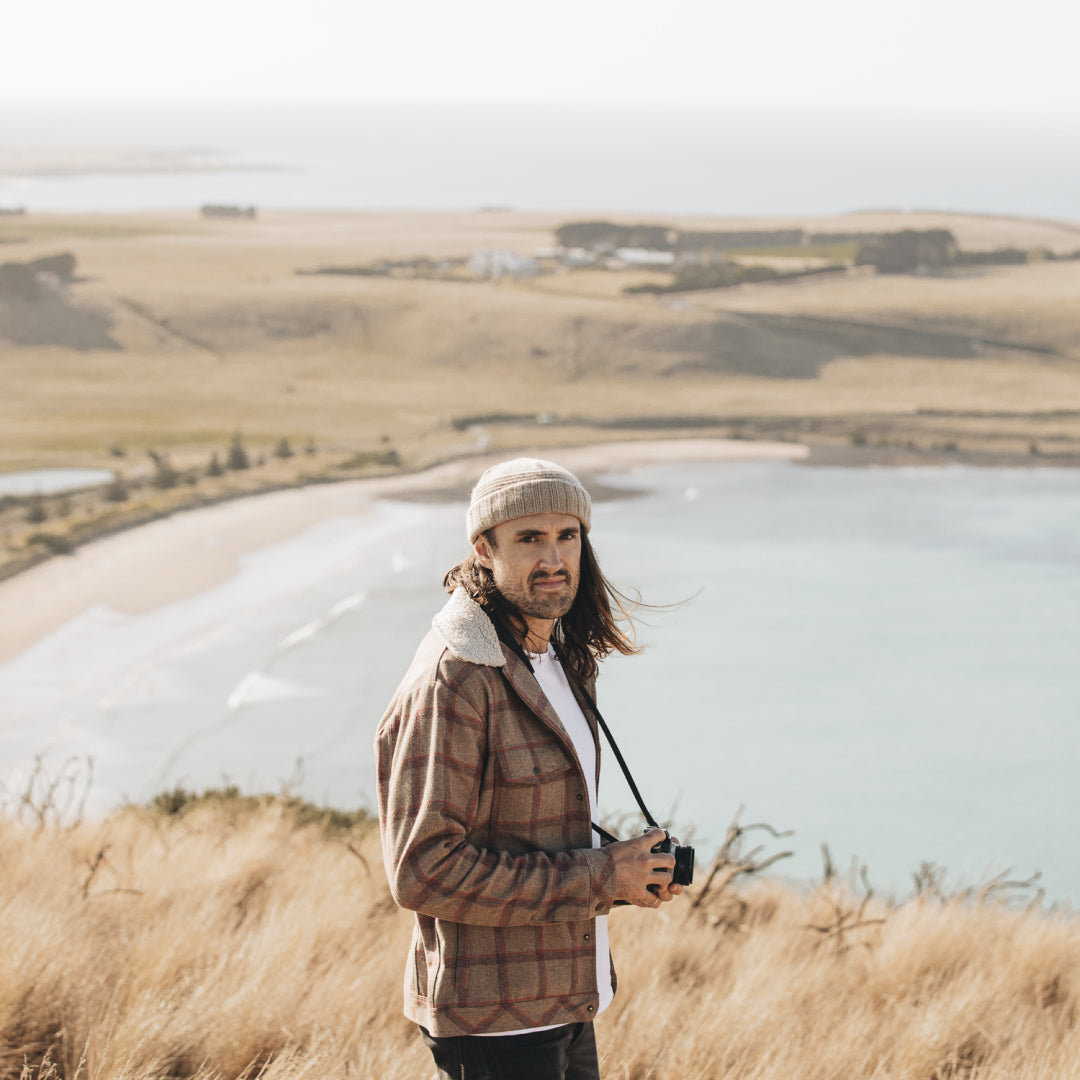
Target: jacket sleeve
x=430, y=753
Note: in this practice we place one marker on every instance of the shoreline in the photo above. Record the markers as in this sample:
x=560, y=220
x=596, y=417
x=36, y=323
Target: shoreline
x=144, y=567
x=137, y=566
x=30, y=546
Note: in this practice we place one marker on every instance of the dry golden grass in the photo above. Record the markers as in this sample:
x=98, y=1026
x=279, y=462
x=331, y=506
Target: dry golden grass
x=228, y=942
x=1038, y=303
x=217, y=332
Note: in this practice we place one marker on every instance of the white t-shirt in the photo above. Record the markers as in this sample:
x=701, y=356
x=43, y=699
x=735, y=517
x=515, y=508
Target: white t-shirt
x=552, y=679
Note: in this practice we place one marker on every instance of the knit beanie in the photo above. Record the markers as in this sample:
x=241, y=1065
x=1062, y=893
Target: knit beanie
x=523, y=486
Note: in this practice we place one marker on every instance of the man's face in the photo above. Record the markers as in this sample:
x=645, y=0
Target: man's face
x=536, y=562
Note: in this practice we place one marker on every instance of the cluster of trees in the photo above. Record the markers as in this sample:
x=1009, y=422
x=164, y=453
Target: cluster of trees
x=723, y=275
x=237, y=459
x=842, y=237
x=80, y=516
x=923, y=251
x=909, y=251
x=591, y=234
x=697, y=240
x=1013, y=256
x=713, y=276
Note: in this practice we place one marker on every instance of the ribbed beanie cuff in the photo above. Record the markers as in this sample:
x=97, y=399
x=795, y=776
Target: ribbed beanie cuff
x=523, y=486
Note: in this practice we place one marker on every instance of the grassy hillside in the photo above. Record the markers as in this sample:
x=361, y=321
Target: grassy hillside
x=238, y=938
x=178, y=333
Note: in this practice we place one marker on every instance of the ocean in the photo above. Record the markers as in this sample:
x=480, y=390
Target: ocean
x=605, y=160
x=883, y=660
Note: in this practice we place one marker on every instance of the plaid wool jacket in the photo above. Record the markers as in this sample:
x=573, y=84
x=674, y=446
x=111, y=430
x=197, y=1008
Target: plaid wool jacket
x=486, y=836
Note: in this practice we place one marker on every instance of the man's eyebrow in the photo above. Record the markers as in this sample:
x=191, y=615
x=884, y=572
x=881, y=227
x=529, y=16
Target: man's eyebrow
x=540, y=532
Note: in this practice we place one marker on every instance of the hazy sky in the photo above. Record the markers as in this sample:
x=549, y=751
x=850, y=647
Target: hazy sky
x=962, y=54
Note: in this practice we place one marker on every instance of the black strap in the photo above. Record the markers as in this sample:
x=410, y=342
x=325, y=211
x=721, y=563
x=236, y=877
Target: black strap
x=604, y=834
x=514, y=645
x=622, y=765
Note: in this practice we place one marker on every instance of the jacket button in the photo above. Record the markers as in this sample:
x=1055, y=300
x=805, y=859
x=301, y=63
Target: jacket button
x=580, y=797
x=588, y=937
x=588, y=1008
x=536, y=770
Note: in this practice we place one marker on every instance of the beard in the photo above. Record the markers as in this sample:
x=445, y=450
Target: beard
x=540, y=605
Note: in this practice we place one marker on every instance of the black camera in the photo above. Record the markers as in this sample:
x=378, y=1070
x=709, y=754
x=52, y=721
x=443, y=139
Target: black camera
x=683, y=871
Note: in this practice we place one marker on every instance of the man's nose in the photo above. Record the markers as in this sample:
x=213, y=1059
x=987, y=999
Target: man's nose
x=550, y=558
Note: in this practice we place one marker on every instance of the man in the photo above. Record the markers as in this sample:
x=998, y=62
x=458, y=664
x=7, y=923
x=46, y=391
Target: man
x=488, y=764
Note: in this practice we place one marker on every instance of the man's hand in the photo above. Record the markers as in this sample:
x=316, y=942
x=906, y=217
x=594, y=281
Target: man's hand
x=636, y=868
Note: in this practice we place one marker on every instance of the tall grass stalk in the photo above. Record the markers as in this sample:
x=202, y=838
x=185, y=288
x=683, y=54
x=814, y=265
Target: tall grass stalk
x=229, y=941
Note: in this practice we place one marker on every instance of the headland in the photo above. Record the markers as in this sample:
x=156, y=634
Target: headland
x=206, y=358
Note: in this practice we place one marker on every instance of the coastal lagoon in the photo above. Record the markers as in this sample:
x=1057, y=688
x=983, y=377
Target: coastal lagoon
x=881, y=659
x=51, y=481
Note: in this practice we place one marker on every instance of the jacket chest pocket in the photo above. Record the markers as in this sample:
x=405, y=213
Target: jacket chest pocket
x=534, y=764
x=532, y=803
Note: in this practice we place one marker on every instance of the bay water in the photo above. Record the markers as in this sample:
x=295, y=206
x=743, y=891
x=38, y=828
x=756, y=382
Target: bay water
x=602, y=159
x=883, y=660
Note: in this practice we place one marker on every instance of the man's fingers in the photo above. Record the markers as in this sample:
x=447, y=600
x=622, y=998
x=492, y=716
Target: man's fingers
x=638, y=867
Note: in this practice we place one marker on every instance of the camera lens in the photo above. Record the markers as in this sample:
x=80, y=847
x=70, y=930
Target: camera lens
x=683, y=874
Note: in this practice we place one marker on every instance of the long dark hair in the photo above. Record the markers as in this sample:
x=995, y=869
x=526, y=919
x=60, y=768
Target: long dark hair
x=588, y=632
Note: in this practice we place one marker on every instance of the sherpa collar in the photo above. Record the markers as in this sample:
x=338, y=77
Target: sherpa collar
x=467, y=632
x=465, y=629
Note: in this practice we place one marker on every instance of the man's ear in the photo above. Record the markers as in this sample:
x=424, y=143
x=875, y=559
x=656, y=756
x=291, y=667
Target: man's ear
x=482, y=551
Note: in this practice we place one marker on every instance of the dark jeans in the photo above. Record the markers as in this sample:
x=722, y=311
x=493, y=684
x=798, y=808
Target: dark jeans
x=562, y=1053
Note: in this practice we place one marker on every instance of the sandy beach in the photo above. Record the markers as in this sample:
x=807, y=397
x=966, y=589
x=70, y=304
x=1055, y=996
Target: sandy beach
x=141, y=569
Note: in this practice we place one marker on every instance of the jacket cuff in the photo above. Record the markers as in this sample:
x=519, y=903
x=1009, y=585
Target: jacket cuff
x=602, y=876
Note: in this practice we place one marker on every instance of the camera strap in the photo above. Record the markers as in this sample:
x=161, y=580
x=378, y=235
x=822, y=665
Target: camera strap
x=649, y=819
x=511, y=643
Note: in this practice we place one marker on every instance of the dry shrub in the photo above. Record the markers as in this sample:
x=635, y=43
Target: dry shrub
x=217, y=944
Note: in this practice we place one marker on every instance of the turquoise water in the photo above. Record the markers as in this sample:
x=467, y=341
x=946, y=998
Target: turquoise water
x=883, y=660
